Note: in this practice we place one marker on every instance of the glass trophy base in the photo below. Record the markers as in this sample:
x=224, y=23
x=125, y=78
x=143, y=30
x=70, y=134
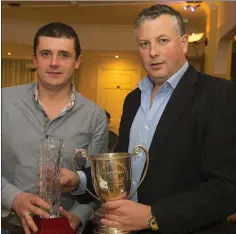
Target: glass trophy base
x=59, y=225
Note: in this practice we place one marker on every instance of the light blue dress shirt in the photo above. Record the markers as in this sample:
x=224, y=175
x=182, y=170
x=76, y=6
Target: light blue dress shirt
x=146, y=120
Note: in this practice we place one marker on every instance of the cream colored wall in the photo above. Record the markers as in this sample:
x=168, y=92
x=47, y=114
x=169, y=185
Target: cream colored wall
x=210, y=50
x=223, y=59
x=92, y=61
x=226, y=25
x=19, y=51
x=226, y=17
x=221, y=21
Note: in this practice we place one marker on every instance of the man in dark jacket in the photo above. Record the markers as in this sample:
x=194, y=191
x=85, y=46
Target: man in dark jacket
x=187, y=120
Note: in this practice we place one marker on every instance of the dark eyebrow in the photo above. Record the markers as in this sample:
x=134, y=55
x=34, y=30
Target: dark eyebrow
x=64, y=52
x=41, y=51
x=60, y=51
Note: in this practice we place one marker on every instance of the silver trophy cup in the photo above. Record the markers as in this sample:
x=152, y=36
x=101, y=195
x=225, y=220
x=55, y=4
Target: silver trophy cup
x=112, y=176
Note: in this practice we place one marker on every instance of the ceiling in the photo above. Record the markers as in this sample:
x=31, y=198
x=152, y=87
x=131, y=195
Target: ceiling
x=89, y=12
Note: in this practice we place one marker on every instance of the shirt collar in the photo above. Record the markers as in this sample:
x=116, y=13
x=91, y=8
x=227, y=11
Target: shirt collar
x=72, y=97
x=147, y=84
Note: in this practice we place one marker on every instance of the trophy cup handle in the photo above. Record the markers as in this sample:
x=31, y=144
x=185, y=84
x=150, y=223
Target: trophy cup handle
x=136, y=151
x=84, y=154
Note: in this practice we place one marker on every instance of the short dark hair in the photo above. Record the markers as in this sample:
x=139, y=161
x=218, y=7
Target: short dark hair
x=157, y=10
x=57, y=30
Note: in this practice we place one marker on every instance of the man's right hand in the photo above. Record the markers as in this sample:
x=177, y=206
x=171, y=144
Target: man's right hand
x=27, y=204
x=69, y=180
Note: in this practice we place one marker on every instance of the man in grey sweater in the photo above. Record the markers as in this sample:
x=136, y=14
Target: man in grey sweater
x=50, y=107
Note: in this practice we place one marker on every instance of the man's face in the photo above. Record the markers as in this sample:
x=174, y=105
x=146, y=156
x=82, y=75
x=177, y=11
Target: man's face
x=55, y=61
x=161, y=48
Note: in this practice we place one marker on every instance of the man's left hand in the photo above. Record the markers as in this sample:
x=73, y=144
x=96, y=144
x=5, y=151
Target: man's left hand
x=69, y=180
x=126, y=215
x=74, y=220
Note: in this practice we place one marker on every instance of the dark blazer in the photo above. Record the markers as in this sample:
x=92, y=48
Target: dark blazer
x=191, y=180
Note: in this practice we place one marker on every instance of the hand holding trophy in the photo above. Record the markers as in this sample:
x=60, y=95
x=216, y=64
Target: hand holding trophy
x=111, y=176
x=50, y=189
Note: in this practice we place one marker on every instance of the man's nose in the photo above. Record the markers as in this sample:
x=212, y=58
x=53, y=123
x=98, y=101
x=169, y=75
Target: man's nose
x=154, y=50
x=54, y=61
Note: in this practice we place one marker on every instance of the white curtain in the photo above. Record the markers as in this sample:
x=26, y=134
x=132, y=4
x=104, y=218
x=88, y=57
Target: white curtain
x=15, y=72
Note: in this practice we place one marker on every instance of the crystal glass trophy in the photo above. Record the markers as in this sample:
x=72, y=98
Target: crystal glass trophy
x=50, y=190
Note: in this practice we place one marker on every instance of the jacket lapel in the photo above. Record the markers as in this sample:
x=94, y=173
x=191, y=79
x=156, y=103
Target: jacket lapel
x=130, y=108
x=176, y=105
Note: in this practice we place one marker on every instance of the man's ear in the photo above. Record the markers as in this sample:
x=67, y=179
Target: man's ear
x=184, y=43
x=78, y=62
x=34, y=60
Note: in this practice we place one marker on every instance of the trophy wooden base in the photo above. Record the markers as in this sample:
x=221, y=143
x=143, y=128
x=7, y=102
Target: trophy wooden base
x=58, y=225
